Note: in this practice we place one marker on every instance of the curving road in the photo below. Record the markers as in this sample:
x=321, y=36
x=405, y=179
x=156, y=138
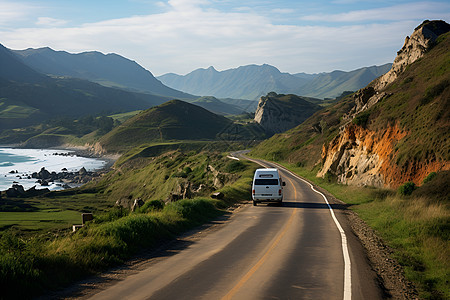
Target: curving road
x=264, y=252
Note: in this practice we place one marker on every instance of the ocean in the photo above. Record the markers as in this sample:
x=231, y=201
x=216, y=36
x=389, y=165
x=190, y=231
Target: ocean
x=17, y=164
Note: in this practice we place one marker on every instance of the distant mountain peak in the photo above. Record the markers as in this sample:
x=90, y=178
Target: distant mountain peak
x=253, y=81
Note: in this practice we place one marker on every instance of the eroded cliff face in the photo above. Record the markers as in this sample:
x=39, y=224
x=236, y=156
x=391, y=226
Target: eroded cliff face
x=358, y=156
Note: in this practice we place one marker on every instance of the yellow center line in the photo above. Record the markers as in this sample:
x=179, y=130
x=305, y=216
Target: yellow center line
x=252, y=271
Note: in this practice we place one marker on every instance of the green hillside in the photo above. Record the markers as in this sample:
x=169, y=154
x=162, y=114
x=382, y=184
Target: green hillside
x=173, y=120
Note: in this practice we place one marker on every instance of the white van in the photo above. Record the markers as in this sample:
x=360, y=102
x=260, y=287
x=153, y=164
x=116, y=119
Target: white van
x=267, y=186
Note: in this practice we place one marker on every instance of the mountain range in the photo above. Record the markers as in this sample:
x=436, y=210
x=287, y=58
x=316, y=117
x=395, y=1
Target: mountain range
x=253, y=81
x=27, y=96
x=110, y=70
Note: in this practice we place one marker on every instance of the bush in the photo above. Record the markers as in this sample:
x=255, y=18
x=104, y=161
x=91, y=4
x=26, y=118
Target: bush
x=330, y=177
x=407, y=188
x=429, y=177
x=195, y=210
x=115, y=213
x=187, y=170
x=152, y=205
x=361, y=119
x=234, y=166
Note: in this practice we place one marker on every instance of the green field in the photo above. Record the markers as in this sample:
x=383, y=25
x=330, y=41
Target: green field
x=49, y=219
x=58, y=211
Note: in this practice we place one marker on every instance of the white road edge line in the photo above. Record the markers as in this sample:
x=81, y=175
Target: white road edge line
x=347, y=263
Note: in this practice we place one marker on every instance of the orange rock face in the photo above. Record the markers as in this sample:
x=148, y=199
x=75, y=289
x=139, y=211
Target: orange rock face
x=359, y=156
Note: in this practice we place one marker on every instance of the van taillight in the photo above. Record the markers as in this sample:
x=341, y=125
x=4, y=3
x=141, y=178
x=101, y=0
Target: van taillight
x=279, y=192
x=253, y=192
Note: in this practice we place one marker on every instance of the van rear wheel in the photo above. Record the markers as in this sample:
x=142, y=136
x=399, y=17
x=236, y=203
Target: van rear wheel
x=254, y=203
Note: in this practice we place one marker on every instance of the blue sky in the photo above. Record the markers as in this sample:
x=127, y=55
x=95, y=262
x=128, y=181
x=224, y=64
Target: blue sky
x=182, y=35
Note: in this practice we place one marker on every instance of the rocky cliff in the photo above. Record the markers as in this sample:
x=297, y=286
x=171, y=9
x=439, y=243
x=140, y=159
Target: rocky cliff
x=397, y=129
x=358, y=156
x=421, y=41
x=278, y=113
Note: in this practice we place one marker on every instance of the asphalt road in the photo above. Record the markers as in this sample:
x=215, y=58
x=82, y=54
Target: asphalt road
x=264, y=252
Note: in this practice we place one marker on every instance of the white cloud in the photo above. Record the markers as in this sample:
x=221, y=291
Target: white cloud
x=407, y=11
x=50, y=22
x=283, y=11
x=187, y=4
x=12, y=11
x=189, y=36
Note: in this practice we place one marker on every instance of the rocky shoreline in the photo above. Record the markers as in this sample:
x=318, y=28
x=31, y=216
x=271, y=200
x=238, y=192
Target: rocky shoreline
x=64, y=179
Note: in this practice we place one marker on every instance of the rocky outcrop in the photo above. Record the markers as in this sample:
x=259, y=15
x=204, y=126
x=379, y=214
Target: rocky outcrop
x=96, y=148
x=422, y=39
x=278, y=113
x=415, y=47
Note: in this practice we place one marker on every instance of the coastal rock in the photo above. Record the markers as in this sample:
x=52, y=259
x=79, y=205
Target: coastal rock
x=42, y=174
x=15, y=191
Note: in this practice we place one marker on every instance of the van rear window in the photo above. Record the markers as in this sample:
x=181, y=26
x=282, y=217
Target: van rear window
x=266, y=181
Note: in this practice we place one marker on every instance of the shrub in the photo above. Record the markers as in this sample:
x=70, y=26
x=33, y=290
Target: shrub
x=407, y=188
x=429, y=177
x=187, y=170
x=151, y=205
x=115, y=213
x=330, y=177
x=234, y=166
x=361, y=119
x=195, y=210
